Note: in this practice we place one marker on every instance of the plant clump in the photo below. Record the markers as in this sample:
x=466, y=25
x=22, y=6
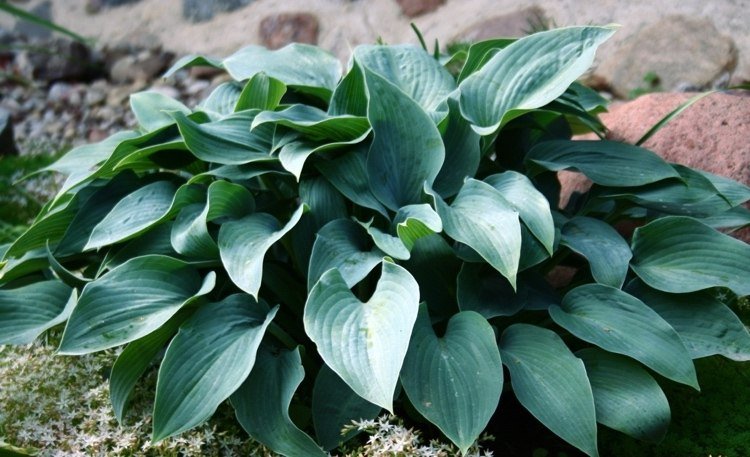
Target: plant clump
x=318, y=246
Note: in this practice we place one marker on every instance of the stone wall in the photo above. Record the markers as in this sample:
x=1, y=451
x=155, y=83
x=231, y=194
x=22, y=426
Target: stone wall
x=669, y=45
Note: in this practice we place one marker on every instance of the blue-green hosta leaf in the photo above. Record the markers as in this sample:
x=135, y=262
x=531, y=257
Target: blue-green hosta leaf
x=294, y=155
x=481, y=218
x=680, y=254
x=222, y=100
x=93, y=211
x=364, y=343
x=435, y=267
x=694, y=195
x=192, y=60
x=262, y=404
x=454, y=381
x=151, y=109
x=620, y=323
x=730, y=220
x=80, y=163
x=48, y=229
x=482, y=289
x=705, y=324
x=64, y=274
x=551, y=383
x=306, y=68
x=389, y=244
x=142, y=209
x=411, y=69
x=18, y=267
x=528, y=74
x=413, y=222
x=608, y=163
x=342, y=244
x=228, y=141
x=532, y=206
x=154, y=287
x=462, y=153
x=736, y=193
x=348, y=174
x=135, y=359
x=243, y=244
x=626, y=397
x=315, y=124
x=155, y=241
x=605, y=249
x=407, y=149
x=207, y=361
x=350, y=96
x=480, y=53
x=335, y=405
x=190, y=235
x=261, y=92
x=27, y=311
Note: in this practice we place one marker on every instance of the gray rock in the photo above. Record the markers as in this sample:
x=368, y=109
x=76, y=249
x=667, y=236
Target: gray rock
x=515, y=24
x=124, y=70
x=57, y=59
x=204, y=10
x=683, y=53
x=31, y=30
x=7, y=142
x=59, y=92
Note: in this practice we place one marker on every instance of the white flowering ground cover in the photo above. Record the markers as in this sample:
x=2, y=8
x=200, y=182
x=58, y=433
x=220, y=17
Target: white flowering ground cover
x=60, y=406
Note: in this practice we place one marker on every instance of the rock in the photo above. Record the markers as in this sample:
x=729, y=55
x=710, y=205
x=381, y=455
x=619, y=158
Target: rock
x=279, y=30
x=169, y=91
x=58, y=59
x=96, y=93
x=204, y=10
x=515, y=24
x=31, y=30
x=124, y=70
x=59, y=92
x=683, y=53
x=7, y=141
x=146, y=65
x=711, y=135
x=412, y=8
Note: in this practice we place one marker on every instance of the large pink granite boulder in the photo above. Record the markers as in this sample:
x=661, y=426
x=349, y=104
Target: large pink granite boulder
x=712, y=134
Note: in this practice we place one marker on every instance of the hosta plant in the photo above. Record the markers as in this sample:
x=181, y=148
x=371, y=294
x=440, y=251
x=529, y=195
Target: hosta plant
x=317, y=246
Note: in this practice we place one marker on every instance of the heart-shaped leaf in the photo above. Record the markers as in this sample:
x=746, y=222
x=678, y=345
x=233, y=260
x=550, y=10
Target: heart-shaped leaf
x=364, y=343
x=155, y=287
x=620, y=323
x=315, y=123
x=454, y=381
x=261, y=92
x=348, y=174
x=563, y=402
x=207, y=361
x=462, y=152
x=680, y=254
